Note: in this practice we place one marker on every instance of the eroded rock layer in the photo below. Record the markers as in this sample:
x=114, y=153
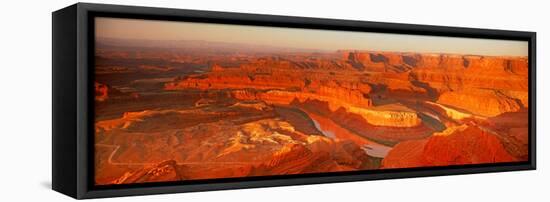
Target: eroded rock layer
x=173, y=115
x=459, y=81
x=455, y=146
x=223, y=148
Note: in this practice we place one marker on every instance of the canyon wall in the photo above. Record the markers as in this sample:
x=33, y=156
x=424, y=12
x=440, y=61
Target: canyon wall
x=295, y=113
x=458, y=145
x=279, y=85
x=484, y=102
x=483, y=85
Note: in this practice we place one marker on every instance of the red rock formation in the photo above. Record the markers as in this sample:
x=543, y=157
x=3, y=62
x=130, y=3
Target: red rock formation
x=400, y=62
x=487, y=103
x=236, y=81
x=483, y=85
x=451, y=75
x=455, y=146
x=162, y=172
x=448, y=70
x=446, y=61
x=452, y=79
x=220, y=149
x=291, y=158
x=438, y=73
x=512, y=130
x=101, y=92
x=156, y=68
x=275, y=86
x=229, y=120
x=390, y=115
x=104, y=92
x=393, y=132
x=377, y=61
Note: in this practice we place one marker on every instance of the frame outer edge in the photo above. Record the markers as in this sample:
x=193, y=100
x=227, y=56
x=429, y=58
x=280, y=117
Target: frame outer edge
x=84, y=188
x=82, y=102
x=64, y=143
x=533, y=100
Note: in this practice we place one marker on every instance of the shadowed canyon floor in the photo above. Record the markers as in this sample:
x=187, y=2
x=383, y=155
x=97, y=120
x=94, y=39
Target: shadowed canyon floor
x=171, y=115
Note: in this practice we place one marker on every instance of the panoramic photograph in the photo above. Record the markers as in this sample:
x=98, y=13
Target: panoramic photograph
x=178, y=101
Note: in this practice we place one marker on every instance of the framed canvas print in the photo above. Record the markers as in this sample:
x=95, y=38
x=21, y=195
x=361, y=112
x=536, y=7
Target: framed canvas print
x=153, y=100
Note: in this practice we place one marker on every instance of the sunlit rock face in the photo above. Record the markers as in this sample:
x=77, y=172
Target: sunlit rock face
x=285, y=83
x=224, y=148
x=500, y=81
x=455, y=146
x=486, y=86
x=512, y=130
x=487, y=103
x=389, y=116
x=164, y=116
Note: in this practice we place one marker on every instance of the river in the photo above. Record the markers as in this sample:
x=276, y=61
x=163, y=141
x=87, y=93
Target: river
x=334, y=131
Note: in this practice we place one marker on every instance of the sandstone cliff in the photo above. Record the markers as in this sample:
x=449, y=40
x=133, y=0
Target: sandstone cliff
x=465, y=144
x=482, y=102
x=230, y=147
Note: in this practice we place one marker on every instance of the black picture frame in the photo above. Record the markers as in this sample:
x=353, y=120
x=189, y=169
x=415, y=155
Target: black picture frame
x=73, y=105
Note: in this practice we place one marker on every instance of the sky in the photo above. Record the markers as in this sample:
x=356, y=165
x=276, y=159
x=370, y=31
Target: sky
x=328, y=40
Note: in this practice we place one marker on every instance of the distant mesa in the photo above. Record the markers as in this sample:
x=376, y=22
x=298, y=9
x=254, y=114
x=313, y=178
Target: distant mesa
x=459, y=81
x=156, y=68
x=104, y=92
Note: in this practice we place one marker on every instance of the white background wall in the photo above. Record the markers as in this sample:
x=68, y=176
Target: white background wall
x=25, y=102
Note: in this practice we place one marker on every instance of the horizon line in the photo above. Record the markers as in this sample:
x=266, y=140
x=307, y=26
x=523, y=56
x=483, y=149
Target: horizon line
x=303, y=50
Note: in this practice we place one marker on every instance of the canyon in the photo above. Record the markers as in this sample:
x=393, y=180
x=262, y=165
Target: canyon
x=163, y=115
